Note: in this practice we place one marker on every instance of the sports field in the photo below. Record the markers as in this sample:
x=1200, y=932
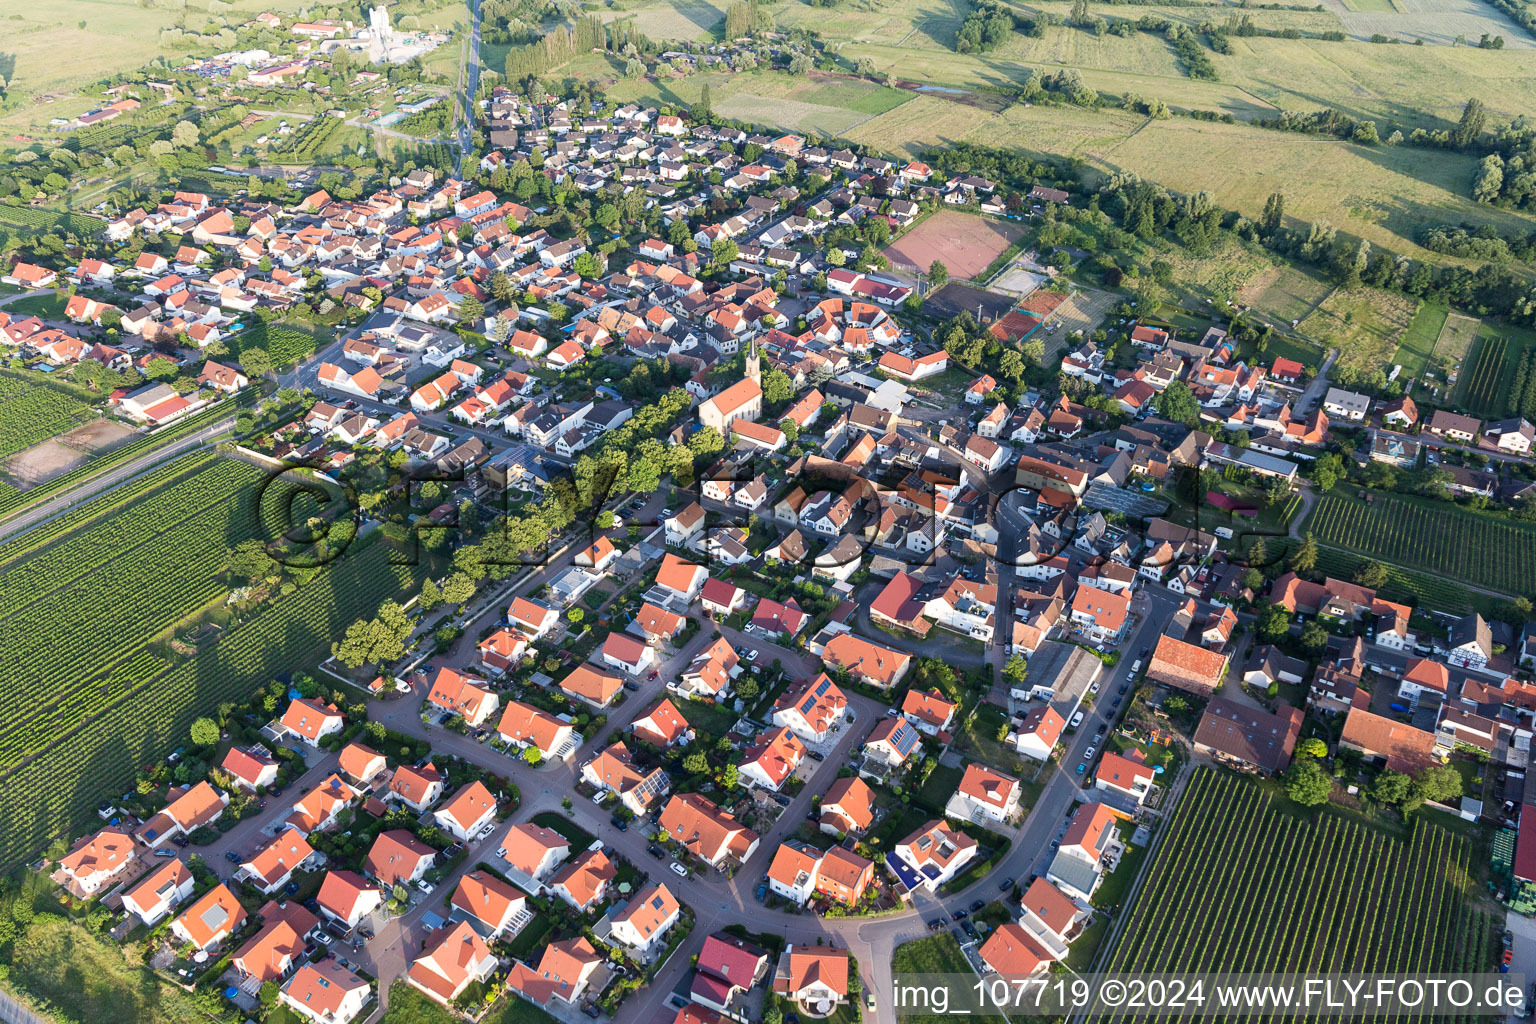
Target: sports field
x=965, y=243
x=1241, y=883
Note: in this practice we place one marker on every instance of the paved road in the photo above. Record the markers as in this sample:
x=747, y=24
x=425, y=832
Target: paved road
x=471, y=82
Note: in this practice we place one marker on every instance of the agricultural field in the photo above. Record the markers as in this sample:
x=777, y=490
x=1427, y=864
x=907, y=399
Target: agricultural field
x=1413, y=589
x=1364, y=324
x=13, y=498
x=1431, y=537
x=1219, y=278
x=1307, y=894
x=19, y=222
x=285, y=342
x=32, y=411
x=1489, y=369
x=87, y=607
x=825, y=104
x=82, y=612
x=1434, y=21
x=682, y=21
x=966, y=243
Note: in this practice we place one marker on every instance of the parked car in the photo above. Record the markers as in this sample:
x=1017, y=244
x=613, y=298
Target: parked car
x=487, y=830
x=762, y=890
x=424, y=885
x=655, y=851
x=1082, y=768
x=1090, y=752
x=1005, y=884
x=232, y=856
x=619, y=823
x=165, y=853
x=678, y=869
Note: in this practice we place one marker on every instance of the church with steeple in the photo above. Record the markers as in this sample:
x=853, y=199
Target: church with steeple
x=741, y=401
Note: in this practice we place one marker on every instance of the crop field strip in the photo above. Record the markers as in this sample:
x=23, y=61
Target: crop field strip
x=92, y=759
x=1483, y=389
x=97, y=598
x=1322, y=896
x=32, y=412
x=1483, y=551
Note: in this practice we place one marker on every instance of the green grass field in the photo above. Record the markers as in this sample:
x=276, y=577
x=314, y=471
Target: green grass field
x=1243, y=883
x=1417, y=343
x=1431, y=536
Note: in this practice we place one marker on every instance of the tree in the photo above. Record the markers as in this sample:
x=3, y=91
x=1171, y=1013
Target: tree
x=1306, y=783
x=1371, y=574
x=588, y=265
x=799, y=65
x=185, y=134
x=205, y=732
x=1327, y=470
x=377, y=640
x=458, y=588
x=471, y=311
x=702, y=108
x=1177, y=403
x=249, y=561
x=696, y=763
x=747, y=688
x=1304, y=558
x=938, y=273
x=1391, y=787
x=1439, y=782
x=1473, y=120
x=531, y=755
x=1273, y=623
x=1273, y=216
x=634, y=67
x=1015, y=668
x=431, y=596
x=1314, y=638
x=1312, y=747
x=730, y=777
x=255, y=362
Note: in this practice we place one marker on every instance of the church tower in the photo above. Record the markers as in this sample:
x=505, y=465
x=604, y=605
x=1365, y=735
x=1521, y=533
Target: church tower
x=754, y=364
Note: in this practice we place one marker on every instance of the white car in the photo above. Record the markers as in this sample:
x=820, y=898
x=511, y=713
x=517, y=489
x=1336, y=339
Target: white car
x=599, y=797
x=425, y=886
x=1077, y=720
x=678, y=869
x=501, y=851
x=487, y=830
x=1094, y=688
x=1088, y=754
x=324, y=937
x=752, y=655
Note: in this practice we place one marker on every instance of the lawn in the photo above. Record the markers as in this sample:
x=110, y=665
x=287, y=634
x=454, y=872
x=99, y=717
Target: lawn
x=1218, y=278
x=1418, y=342
x=937, y=954
x=1240, y=869
x=942, y=783
x=579, y=837
x=407, y=1005
x=978, y=739
x=1285, y=294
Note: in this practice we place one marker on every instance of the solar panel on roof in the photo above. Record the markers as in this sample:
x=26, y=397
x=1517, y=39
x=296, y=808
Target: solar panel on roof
x=823, y=687
x=807, y=704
